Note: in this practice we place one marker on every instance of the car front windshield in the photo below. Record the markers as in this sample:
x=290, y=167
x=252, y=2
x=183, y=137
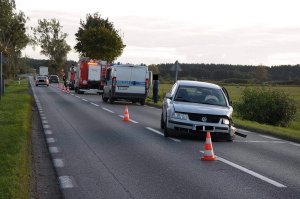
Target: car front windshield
x=201, y=95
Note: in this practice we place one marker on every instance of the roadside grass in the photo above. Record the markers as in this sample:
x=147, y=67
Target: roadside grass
x=291, y=132
x=15, y=129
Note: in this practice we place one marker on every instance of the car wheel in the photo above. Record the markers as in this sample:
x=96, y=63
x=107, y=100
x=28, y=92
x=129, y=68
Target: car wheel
x=134, y=101
x=162, y=123
x=104, y=99
x=142, y=102
x=111, y=99
x=166, y=130
x=230, y=138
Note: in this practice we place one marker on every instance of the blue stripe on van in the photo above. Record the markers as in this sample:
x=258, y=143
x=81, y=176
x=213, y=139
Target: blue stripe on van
x=130, y=83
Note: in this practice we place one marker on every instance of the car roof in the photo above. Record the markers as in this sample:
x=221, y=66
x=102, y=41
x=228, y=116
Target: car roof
x=197, y=83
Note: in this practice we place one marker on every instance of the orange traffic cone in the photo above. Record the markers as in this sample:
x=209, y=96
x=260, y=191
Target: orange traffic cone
x=209, y=152
x=126, y=115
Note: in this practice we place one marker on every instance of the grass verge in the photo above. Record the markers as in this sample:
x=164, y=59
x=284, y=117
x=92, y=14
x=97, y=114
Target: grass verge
x=15, y=130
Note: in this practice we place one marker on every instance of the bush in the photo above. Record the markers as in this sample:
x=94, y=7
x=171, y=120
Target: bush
x=266, y=106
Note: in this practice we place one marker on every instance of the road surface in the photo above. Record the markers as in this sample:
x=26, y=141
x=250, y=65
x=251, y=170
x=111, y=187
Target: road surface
x=97, y=155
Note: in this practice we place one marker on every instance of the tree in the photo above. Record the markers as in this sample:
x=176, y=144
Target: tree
x=261, y=73
x=153, y=68
x=13, y=36
x=50, y=37
x=97, y=38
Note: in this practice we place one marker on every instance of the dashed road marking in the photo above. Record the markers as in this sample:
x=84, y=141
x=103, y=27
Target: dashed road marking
x=155, y=131
x=260, y=141
x=43, y=118
x=53, y=149
x=269, y=137
x=84, y=100
x=48, y=132
x=58, y=163
x=176, y=140
x=94, y=104
x=257, y=175
x=65, y=182
x=46, y=126
x=77, y=96
x=133, y=121
x=295, y=144
x=107, y=110
x=45, y=122
x=50, y=140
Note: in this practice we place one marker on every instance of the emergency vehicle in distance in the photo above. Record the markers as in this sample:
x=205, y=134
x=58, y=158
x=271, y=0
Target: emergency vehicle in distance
x=89, y=76
x=127, y=82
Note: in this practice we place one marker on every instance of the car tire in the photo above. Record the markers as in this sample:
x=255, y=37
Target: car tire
x=142, y=102
x=111, y=99
x=230, y=138
x=166, y=130
x=104, y=99
x=162, y=123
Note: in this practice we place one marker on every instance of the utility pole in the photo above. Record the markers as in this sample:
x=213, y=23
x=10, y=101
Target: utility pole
x=176, y=67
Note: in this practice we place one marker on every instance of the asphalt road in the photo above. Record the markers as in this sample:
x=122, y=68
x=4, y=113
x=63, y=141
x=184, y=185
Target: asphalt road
x=97, y=155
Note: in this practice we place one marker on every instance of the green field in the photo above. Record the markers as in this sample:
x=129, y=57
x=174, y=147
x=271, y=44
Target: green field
x=15, y=128
x=292, y=132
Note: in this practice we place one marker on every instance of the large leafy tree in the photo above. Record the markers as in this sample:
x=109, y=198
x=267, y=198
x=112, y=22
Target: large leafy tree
x=53, y=43
x=13, y=36
x=97, y=38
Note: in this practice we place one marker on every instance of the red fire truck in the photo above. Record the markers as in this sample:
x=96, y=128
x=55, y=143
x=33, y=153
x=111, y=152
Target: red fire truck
x=89, y=76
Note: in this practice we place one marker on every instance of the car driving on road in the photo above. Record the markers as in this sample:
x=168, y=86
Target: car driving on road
x=197, y=107
x=42, y=80
x=53, y=79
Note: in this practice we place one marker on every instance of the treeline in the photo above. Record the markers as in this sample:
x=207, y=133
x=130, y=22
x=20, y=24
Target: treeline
x=286, y=74
x=36, y=63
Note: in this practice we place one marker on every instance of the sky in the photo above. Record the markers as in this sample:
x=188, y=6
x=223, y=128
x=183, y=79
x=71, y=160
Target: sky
x=248, y=32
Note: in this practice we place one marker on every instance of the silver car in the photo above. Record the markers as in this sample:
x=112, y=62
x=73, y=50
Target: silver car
x=197, y=107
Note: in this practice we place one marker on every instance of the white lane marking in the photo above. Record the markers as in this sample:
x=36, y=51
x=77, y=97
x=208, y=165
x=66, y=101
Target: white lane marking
x=151, y=107
x=155, y=131
x=295, y=144
x=107, y=110
x=45, y=122
x=65, y=182
x=133, y=121
x=72, y=94
x=269, y=137
x=43, y=118
x=48, y=132
x=50, y=140
x=46, y=126
x=94, y=104
x=260, y=141
x=58, y=163
x=268, y=180
x=174, y=139
x=84, y=100
x=53, y=149
x=77, y=96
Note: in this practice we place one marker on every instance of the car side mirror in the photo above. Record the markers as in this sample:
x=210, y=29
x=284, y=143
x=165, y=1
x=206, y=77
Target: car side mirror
x=168, y=95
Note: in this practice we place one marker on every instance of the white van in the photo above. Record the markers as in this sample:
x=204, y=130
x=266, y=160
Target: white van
x=127, y=82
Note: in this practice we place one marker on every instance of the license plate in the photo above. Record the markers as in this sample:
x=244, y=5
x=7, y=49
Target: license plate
x=122, y=88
